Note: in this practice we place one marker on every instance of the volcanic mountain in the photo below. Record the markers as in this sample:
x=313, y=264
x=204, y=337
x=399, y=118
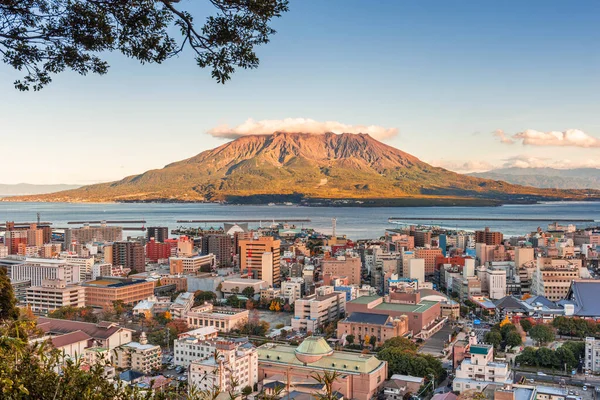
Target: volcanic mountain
x=309, y=168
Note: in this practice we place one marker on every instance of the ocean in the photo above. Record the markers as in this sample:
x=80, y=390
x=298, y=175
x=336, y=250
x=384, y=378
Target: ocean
x=355, y=222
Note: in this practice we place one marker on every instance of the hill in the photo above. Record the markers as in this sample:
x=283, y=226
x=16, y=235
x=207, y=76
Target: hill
x=576, y=178
x=28, y=188
x=307, y=167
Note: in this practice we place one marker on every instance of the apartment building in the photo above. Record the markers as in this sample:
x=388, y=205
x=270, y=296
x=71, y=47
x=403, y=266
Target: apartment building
x=129, y=255
x=104, y=291
x=197, y=344
x=192, y=265
x=85, y=265
x=348, y=266
x=292, y=289
x=429, y=254
x=158, y=233
x=479, y=371
x=260, y=257
x=234, y=367
x=489, y=237
x=156, y=250
x=182, y=305
x=54, y=294
x=552, y=277
x=221, y=245
x=87, y=233
x=138, y=356
x=592, y=355
x=224, y=319
x=13, y=238
x=38, y=269
x=312, y=312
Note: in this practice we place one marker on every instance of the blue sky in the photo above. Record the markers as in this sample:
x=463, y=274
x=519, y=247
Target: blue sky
x=445, y=74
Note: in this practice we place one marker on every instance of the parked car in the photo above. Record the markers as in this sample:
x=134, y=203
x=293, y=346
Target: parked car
x=541, y=374
x=170, y=367
x=584, y=388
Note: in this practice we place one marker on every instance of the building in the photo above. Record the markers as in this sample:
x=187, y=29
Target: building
x=14, y=238
x=398, y=386
x=496, y=283
x=104, y=291
x=85, y=265
x=582, y=299
x=423, y=316
x=269, y=294
x=224, y=319
x=129, y=255
x=87, y=233
x=106, y=334
x=156, y=250
x=416, y=270
x=192, y=265
x=422, y=238
x=292, y=289
x=260, y=257
x=180, y=282
x=232, y=366
x=429, y=254
x=221, y=245
x=552, y=278
x=158, y=233
x=480, y=371
x=101, y=269
x=185, y=247
x=313, y=312
x=488, y=237
x=53, y=294
x=197, y=344
x=238, y=285
x=361, y=376
x=347, y=266
x=38, y=269
x=382, y=327
x=138, y=356
x=592, y=355
x=182, y=305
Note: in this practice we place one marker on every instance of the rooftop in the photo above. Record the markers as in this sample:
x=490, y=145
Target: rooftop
x=113, y=282
x=367, y=318
x=412, y=308
x=55, y=326
x=407, y=378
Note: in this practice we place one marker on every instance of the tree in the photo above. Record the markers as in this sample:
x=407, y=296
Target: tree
x=542, y=333
x=200, y=297
x=400, y=343
x=373, y=341
x=8, y=302
x=513, y=339
x=526, y=324
x=327, y=379
x=46, y=37
x=494, y=338
x=248, y=292
x=246, y=391
x=367, y=339
x=350, y=339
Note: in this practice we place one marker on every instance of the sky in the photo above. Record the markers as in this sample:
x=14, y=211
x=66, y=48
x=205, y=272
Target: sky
x=467, y=85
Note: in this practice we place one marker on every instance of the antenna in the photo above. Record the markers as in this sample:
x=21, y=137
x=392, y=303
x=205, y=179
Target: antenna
x=38, y=219
x=333, y=225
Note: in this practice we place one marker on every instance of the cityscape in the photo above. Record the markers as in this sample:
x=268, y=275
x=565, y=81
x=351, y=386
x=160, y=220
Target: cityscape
x=299, y=200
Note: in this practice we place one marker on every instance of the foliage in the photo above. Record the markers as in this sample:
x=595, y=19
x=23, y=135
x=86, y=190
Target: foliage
x=275, y=306
x=569, y=354
x=542, y=333
x=327, y=379
x=373, y=341
x=403, y=359
x=200, y=297
x=494, y=338
x=254, y=328
x=503, y=334
x=46, y=37
x=513, y=339
x=234, y=301
x=85, y=314
x=8, y=302
x=350, y=339
x=576, y=327
x=248, y=292
x=526, y=324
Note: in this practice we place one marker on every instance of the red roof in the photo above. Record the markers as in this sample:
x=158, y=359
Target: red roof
x=70, y=338
x=101, y=330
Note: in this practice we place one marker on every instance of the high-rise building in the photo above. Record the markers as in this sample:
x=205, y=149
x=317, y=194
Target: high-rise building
x=252, y=260
x=349, y=267
x=35, y=236
x=156, y=250
x=87, y=233
x=159, y=233
x=429, y=254
x=422, y=238
x=129, y=255
x=221, y=245
x=38, y=269
x=185, y=247
x=85, y=265
x=13, y=238
x=488, y=237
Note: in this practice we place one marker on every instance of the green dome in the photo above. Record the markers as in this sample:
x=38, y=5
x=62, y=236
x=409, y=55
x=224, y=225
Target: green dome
x=312, y=349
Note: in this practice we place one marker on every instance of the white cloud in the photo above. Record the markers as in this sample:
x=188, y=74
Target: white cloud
x=503, y=138
x=525, y=161
x=304, y=125
x=463, y=166
x=531, y=137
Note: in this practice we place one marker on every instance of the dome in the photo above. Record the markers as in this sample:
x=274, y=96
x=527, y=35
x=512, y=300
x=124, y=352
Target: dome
x=312, y=349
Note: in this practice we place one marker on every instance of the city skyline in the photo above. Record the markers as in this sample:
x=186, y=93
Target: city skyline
x=465, y=86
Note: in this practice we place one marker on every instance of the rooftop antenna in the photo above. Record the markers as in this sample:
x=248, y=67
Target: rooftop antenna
x=38, y=219
x=333, y=225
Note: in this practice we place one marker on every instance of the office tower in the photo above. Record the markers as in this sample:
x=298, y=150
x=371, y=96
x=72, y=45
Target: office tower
x=252, y=261
x=129, y=255
x=221, y=245
x=488, y=237
x=159, y=233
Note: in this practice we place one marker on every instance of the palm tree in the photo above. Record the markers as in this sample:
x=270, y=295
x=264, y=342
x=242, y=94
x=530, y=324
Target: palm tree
x=328, y=378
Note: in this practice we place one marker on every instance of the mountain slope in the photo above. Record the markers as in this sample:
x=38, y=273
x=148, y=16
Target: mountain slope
x=576, y=178
x=326, y=166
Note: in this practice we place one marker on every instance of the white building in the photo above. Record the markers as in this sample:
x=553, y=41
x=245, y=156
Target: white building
x=85, y=265
x=182, y=304
x=38, y=269
x=198, y=344
x=234, y=367
x=54, y=294
x=3, y=251
x=292, y=289
x=592, y=355
x=480, y=370
x=416, y=269
x=101, y=269
x=312, y=312
x=496, y=283
x=142, y=357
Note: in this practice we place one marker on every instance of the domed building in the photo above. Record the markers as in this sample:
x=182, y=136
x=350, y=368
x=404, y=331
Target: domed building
x=360, y=375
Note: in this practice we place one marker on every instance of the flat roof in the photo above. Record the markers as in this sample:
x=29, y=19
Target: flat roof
x=365, y=299
x=412, y=308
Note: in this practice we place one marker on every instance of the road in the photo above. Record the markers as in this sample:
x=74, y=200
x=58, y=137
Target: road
x=577, y=380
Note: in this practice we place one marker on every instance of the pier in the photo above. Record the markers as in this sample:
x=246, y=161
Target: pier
x=550, y=219
x=107, y=222
x=232, y=220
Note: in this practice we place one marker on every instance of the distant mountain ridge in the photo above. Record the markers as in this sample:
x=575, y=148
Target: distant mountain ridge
x=576, y=178
x=306, y=167
x=20, y=189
